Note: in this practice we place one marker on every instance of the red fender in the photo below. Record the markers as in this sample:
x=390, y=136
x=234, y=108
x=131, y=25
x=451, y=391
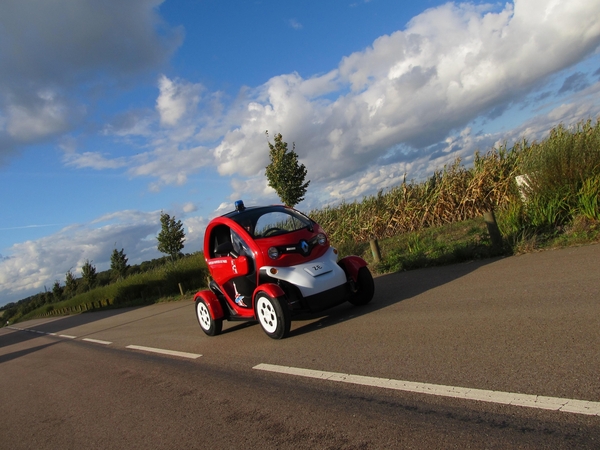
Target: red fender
x=351, y=265
x=270, y=289
x=212, y=303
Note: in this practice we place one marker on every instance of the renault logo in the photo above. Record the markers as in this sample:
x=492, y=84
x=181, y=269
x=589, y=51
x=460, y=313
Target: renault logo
x=304, y=247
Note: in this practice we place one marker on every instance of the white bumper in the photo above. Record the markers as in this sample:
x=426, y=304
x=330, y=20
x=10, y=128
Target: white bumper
x=311, y=278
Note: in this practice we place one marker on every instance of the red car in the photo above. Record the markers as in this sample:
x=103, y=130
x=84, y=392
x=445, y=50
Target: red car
x=270, y=263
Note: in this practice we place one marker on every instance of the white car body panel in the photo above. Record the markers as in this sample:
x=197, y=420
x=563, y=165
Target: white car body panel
x=313, y=277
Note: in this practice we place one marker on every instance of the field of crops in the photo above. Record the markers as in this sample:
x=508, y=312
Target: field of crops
x=562, y=176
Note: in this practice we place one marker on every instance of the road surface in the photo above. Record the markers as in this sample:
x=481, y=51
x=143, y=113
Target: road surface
x=500, y=353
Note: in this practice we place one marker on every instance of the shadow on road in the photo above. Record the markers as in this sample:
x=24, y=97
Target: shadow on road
x=14, y=355
x=389, y=290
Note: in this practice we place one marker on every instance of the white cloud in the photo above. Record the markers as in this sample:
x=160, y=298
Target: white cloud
x=194, y=238
x=295, y=24
x=411, y=89
x=176, y=99
x=414, y=87
x=170, y=164
x=189, y=207
x=93, y=160
x=255, y=188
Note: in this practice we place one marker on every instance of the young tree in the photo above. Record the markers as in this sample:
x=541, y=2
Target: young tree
x=57, y=291
x=284, y=173
x=88, y=274
x=171, y=236
x=118, y=263
x=70, y=283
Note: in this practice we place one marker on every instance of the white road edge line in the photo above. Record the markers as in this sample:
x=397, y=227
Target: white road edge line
x=96, y=341
x=164, y=352
x=507, y=398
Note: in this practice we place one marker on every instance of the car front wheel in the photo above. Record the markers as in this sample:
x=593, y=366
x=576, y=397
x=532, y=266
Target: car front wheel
x=273, y=315
x=365, y=288
x=209, y=325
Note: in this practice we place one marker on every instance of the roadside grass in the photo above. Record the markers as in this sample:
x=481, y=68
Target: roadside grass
x=466, y=241
x=158, y=285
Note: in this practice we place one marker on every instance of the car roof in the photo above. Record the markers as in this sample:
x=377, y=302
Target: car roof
x=252, y=210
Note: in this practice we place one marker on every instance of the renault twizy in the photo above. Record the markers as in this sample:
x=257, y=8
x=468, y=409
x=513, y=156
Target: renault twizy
x=270, y=263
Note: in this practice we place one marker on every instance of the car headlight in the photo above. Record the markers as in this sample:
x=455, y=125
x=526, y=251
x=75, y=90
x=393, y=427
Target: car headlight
x=273, y=253
x=321, y=239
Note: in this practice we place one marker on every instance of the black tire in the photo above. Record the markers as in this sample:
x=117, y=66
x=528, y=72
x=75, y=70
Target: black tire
x=209, y=325
x=365, y=288
x=273, y=315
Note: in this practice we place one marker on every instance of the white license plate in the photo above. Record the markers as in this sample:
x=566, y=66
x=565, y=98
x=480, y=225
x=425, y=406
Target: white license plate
x=317, y=268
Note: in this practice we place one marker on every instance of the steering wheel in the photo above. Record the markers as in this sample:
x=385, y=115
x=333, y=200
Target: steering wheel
x=272, y=230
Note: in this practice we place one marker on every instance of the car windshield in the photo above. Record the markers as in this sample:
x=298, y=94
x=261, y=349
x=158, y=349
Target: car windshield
x=270, y=222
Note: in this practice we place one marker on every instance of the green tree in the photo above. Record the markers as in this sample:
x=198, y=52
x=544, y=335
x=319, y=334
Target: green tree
x=118, y=263
x=88, y=274
x=57, y=291
x=171, y=236
x=284, y=173
x=70, y=283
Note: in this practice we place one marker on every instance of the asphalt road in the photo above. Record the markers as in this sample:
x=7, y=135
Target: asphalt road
x=519, y=325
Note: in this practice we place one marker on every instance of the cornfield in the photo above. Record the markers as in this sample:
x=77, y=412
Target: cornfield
x=457, y=193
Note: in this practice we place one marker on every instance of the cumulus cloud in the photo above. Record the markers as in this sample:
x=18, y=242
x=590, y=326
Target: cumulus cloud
x=413, y=87
x=166, y=140
x=402, y=101
x=51, y=52
x=176, y=99
x=194, y=238
x=170, y=164
x=396, y=102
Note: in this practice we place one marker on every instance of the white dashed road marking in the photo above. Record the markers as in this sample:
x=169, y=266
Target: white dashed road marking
x=133, y=347
x=507, y=398
x=96, y=341
x=164, y=352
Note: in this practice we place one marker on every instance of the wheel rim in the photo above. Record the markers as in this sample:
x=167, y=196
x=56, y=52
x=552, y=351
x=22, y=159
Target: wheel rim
x=203, y=316
x=266, y=314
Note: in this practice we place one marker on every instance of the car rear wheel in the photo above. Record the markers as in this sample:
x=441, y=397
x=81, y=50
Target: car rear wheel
x=365, y=288
x=209, y=325
x=273, y=315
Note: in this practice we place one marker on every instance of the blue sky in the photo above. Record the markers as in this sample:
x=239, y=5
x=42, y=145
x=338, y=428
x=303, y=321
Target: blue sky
x=113, y=111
